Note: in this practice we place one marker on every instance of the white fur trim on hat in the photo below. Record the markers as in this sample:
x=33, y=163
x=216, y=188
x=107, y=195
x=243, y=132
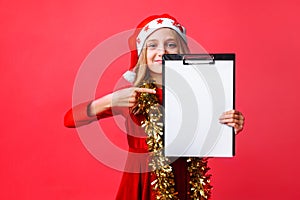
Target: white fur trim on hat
x=129, y=76
x=153, y=26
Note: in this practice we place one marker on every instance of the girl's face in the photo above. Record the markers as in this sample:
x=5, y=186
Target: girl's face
x=162, y=41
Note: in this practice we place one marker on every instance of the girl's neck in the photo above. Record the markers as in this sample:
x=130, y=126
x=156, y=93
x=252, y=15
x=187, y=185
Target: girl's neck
x=158, y=79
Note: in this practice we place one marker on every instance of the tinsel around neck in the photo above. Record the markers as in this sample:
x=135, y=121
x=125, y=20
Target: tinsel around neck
x=164, y=184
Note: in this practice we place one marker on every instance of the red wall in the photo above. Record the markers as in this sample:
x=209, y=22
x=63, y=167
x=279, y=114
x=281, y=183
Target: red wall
x=43, y=43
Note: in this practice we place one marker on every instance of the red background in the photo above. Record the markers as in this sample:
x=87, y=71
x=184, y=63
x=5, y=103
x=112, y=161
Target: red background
x=43, y=43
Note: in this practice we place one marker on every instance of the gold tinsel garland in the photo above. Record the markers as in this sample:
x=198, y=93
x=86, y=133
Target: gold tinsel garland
x=164, y=184
x=199, y=179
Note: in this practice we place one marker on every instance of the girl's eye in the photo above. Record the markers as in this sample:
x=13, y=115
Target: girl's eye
x=171, y=45
x=151, y=46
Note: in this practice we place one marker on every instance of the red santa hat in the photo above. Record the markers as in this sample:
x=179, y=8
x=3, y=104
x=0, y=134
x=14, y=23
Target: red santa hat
x=144, y=29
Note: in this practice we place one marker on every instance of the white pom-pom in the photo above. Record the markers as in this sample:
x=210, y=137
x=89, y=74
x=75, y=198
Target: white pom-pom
x=129, y=76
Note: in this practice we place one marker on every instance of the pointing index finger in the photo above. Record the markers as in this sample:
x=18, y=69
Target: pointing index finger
x=147, y=90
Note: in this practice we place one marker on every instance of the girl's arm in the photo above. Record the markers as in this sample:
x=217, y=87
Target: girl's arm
x=82, y=114
x=88, y=112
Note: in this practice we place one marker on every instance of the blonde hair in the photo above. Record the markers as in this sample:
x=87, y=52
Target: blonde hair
x=141, y=68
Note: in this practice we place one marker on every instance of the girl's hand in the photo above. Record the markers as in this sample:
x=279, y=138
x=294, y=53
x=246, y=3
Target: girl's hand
x=122, y=98
x=127, y=97
x=234, y=119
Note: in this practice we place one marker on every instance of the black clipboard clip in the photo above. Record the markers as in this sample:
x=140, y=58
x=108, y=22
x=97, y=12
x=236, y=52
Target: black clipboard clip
x=197, y=59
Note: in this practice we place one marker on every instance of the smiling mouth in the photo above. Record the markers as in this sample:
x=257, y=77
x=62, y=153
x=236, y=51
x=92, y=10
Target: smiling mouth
x=158, y=61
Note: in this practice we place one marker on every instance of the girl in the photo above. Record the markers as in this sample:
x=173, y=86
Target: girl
x=158, y=177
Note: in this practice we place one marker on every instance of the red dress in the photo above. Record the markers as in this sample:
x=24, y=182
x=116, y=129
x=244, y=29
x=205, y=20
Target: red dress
x=134, y=186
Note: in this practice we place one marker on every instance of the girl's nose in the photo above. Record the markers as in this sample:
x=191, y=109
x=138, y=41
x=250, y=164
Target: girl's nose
x=161, y=50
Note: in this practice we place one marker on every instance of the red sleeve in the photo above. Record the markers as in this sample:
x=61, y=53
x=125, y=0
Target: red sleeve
x=78, y=116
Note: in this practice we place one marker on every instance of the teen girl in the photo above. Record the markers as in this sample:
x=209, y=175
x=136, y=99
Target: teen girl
x=185, y=178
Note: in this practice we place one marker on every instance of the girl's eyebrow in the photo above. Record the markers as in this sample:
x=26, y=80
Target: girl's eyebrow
x=155, y=40
x=152, y=40
x=170, y=39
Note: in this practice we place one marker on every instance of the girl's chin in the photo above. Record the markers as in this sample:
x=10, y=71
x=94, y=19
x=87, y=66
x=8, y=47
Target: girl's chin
x=155, y=69
x=157, y=76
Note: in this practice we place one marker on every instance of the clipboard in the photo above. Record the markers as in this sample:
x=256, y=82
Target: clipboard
x=197, y=89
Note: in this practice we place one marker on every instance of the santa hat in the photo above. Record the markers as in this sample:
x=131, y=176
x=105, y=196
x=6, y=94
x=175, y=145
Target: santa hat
x=144, y=29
